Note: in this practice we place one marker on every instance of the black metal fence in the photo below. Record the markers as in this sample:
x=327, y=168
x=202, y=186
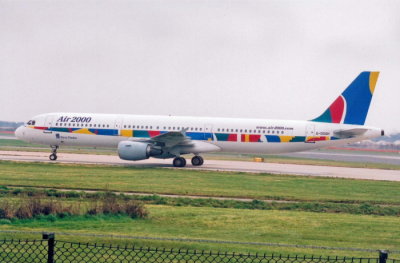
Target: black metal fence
x=55, y=251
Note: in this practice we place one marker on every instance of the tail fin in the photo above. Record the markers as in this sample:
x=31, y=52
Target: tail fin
x=351, y=107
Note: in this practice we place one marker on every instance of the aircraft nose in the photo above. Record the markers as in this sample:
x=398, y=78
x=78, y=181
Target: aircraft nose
x=20, y=132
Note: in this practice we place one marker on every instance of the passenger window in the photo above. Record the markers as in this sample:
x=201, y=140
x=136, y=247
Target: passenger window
x=147, y=127
x=151, y=127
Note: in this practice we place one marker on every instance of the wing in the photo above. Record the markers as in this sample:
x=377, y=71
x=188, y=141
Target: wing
x=168, y=140
x=171, y=139
x=178, y=142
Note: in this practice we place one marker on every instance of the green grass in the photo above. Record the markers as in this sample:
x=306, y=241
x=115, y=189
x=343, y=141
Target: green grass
x=17, y=143
x=194, y=182
x=302, y=161
x=288, y=227
x=18, y=194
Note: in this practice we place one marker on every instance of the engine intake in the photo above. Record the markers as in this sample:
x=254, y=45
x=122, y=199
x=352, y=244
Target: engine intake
x=135, y=151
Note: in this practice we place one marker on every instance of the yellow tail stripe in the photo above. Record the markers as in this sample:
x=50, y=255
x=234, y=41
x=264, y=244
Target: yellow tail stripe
x=373, y=78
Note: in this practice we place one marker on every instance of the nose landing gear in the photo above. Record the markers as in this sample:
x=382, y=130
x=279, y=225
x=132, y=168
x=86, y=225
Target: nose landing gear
x=53, y=155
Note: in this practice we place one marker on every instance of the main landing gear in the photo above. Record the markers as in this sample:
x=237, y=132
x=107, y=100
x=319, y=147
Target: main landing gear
x=197, y=160
x=53, y=155
x=181, y=162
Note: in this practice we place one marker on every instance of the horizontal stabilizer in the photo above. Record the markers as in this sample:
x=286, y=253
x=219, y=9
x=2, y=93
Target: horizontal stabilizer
x=344, y=134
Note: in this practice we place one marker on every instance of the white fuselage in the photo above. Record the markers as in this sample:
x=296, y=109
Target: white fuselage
x=228, y=134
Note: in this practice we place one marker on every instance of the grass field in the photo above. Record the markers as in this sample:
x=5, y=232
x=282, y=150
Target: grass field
x=288, y=227
x=195, y=182
x=244, y=225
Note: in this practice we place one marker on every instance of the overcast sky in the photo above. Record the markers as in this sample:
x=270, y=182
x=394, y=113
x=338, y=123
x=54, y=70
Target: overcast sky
x=253, y=59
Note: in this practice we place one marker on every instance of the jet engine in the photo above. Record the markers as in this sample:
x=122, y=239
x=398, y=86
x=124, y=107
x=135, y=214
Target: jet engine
x=135, y=151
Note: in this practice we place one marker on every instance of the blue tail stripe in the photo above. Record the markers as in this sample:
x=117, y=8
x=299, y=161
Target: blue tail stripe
x=358, y=97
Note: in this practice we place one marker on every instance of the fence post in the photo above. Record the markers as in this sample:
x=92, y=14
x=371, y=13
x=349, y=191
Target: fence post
x=383, y=255
x=50, y=237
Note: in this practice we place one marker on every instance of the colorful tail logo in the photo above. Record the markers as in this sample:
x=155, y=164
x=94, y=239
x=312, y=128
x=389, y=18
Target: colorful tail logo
x=351, y=107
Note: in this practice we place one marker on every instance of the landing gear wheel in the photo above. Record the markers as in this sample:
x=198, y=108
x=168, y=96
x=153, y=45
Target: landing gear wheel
x=53, y=157
x=197, y=160
x=179, y=162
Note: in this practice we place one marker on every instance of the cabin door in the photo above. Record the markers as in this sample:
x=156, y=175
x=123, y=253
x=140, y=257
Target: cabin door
x=118, y=127
x=208, y=136
x=310, y=131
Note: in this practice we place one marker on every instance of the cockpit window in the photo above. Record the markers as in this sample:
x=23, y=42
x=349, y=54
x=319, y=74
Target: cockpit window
x=31, y=122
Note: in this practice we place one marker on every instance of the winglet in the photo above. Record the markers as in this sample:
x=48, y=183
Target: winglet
x=351, y=107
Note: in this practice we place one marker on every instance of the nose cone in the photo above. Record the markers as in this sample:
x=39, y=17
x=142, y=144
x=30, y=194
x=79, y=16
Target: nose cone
x=20, y=132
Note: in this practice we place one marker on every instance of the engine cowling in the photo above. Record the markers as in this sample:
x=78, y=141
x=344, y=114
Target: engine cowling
x=135, y=151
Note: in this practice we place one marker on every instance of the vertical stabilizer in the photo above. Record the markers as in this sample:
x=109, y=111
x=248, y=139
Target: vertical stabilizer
x=351, y=107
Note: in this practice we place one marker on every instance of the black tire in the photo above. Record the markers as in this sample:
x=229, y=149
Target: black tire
x=179, y=162
x=53, y=157
x=197, y=160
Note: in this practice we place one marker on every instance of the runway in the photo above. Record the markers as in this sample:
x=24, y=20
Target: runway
x=214, y=165
x=368, y=157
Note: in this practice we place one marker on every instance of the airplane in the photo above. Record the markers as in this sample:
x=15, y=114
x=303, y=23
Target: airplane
x=138, y=137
